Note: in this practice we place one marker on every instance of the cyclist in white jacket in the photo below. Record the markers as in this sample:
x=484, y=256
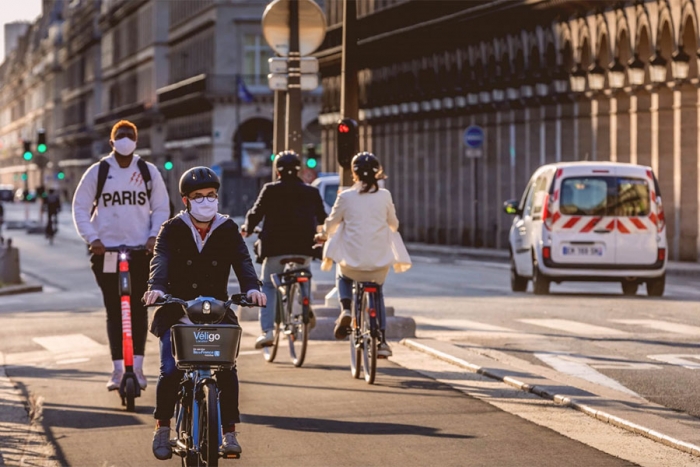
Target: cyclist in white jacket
x=363, y=239
x=127, y=210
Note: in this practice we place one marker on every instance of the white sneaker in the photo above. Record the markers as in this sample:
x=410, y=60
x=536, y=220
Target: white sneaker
x=138, y=371
x=141, y=378
x=115, y=380
x=265, y=340
x=117, y=374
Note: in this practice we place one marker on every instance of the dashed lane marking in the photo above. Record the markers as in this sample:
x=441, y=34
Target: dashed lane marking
x=658, y=325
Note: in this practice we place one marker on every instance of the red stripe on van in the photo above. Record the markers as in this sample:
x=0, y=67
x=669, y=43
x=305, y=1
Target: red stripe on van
x=649, y=174
x=653, y=218
x=571, y=222
x=621, y=227
x=637, y=223
x=611, y=225
x=592, y=223
x=556, y=217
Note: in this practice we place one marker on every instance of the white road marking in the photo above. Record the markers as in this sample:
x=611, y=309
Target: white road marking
x=581, y=367
x=249, y=352
x=68, y=343
x=666, y=326
x=72, y=360
x=575, y=327
x=470, y=328
x=63, y=348
x=678, y=359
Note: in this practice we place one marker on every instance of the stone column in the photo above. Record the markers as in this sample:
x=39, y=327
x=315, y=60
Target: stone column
x=568, y=133
x=663, y=157
x=643, y=137
x=688, y=172
x=621, y=131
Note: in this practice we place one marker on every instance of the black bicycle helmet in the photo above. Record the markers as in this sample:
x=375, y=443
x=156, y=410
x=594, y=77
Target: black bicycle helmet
x=288, y=163
x=365, y=164
x=197, y=178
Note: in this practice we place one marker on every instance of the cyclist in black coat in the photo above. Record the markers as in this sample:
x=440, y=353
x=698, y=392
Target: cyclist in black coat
x=193, y=256
x=291, y=211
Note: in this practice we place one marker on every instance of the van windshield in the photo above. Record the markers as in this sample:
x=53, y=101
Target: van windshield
x=604, y=196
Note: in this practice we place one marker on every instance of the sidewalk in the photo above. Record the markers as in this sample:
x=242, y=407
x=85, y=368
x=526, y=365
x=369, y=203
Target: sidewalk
x=450, y=253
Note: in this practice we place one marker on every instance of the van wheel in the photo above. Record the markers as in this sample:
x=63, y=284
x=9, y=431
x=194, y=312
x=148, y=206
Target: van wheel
x=630, y=288
x=540, y=282
x=656, y=286
x=518, y=283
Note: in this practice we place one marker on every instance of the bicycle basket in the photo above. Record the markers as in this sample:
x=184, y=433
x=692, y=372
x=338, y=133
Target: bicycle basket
x=205, y=345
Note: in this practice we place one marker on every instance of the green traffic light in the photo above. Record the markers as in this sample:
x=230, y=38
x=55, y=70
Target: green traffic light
x=61, y=175
x=41, y=148
x=311, y=163
x=24, y=177
x=272, y=157
x=168, y=165
x=28, y=156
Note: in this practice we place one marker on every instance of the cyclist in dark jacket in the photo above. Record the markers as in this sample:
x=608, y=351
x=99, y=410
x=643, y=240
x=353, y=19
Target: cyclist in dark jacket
x=291, y=211
x=193, y=256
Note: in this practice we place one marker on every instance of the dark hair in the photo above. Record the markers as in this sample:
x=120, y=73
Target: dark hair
x=368, y=170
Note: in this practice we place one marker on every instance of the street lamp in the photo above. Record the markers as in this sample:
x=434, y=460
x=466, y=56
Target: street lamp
x=635, y=71
x=561, y=83
x=657, y=68
x=498, y=95
x=616, y=74
x=680, y=64
x=578, y=79
x=596, y=76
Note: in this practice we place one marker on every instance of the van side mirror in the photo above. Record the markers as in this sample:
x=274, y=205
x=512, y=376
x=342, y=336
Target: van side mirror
x=511, y=207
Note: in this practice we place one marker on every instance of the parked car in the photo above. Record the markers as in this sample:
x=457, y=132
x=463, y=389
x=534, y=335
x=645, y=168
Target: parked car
x=7, y=193
x=589, y=221
x=328, y=187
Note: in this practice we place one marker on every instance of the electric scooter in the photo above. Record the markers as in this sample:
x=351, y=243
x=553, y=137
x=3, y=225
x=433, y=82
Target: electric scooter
x=129, y=389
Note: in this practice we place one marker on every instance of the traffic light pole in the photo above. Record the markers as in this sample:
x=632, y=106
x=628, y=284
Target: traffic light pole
x=349, y=106
x=278, y=141
x=294, y=82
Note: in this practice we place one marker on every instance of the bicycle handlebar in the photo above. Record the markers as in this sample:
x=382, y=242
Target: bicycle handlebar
x=124, y=248
x=236, y=299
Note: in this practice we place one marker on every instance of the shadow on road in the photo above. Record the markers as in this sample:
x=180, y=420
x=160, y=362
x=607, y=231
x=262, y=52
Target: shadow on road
x=318, y=425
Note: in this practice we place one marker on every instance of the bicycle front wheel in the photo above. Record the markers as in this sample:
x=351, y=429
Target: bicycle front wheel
x=209, y=448
x=271, y=352
x=296, y=329
x=369, y=340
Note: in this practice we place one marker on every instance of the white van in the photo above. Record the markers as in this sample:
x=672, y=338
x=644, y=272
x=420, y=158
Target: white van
x=589, y=221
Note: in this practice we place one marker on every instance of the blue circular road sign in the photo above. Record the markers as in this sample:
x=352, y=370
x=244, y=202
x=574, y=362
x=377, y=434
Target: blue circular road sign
x=474, y=137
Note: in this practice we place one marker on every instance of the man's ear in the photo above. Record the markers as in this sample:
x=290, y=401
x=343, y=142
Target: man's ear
x=111, y=143
x=185, y=200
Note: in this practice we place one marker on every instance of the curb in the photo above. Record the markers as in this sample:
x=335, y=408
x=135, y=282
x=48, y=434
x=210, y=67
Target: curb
x=558, y=399
x=20, y=289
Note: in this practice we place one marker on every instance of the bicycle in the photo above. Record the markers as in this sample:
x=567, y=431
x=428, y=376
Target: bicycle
x=293, y=310
x=365, y=332
x=200, y=350
x=129, y=388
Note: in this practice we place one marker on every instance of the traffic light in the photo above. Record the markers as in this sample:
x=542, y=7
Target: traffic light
x=24, y=176
x=61, y=175
x=347, y=141
x=41, y=141
x=27, y=151
x=168, y=163
x=311, y=156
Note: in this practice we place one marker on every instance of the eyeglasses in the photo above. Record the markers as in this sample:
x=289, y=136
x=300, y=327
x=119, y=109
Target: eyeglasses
x=199, y=198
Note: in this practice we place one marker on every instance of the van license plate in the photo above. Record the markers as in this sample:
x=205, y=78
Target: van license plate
x=593, y=250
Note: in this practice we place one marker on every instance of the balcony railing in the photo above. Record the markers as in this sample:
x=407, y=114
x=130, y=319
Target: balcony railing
x=213, y=85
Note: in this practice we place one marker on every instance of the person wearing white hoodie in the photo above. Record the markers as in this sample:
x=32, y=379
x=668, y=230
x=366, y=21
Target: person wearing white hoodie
x=122, y=213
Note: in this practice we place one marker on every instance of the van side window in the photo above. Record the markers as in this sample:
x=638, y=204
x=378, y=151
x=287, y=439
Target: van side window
x=526, y=196
x=540, y=193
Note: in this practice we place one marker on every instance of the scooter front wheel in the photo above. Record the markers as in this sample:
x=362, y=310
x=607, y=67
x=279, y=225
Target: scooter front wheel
x=130, y=395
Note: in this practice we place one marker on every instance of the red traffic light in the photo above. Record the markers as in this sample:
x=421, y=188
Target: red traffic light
x=343, y=128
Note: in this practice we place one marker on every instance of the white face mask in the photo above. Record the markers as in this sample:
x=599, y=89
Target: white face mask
x=204, y=211
x=124, y=146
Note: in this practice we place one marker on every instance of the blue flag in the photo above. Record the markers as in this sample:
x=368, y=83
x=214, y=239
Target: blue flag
x=242, y=91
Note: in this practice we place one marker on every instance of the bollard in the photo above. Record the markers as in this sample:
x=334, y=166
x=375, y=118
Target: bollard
x=9, y=264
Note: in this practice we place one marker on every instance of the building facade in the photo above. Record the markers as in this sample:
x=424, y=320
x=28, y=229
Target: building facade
x=548, y=81
x=191, y=74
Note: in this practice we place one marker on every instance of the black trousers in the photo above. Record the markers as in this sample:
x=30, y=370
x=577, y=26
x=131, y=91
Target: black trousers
x=139, y=264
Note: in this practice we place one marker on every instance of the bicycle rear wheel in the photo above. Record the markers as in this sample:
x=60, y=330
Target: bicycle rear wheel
x=271, y=352
x=369, y=339
x=209, y=447
x=355, y=345
x=296, y=329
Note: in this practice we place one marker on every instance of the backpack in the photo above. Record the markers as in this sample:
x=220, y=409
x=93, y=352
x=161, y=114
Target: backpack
x=103, y=171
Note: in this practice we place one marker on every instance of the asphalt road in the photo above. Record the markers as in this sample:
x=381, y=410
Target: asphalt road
x=320, y=416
